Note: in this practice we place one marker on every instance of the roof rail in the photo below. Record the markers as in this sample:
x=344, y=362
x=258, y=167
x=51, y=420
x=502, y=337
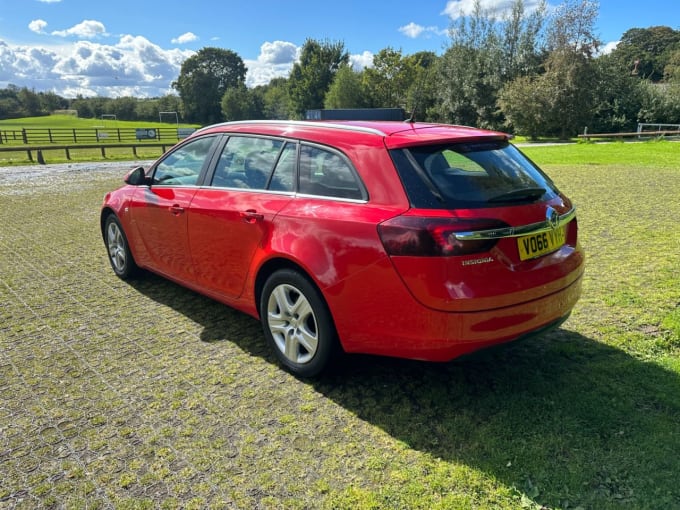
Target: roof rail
x=303, y=123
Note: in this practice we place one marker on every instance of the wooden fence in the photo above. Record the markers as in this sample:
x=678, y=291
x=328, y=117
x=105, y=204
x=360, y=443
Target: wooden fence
x=38, y=150
x=65, y=136
x=636, y=134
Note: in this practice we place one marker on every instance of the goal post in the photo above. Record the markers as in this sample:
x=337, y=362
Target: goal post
x=170, y=115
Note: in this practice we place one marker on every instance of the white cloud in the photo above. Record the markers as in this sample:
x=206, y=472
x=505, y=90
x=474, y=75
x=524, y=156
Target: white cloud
x=361, y=61
x=49, y=1
x=37, y=26
x=185, y=38
x=275, y=60
x=133, y=66
x=608, y=48
x=278, y=52
x=19, y=65
x=87, y=29
x=456, y=8
x=413, y=30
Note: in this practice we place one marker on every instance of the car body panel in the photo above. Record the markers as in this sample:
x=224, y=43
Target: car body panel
x=226, y=228
x=160, y=217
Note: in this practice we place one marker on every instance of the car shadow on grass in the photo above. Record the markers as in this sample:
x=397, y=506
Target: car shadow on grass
x=565, y=420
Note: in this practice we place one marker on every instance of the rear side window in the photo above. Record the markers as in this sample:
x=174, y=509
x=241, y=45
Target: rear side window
x=328, y=174
x=247, y=162
x=470, y=175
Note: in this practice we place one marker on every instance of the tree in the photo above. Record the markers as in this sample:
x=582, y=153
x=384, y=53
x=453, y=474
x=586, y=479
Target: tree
x=9, y=108
x=124, y=108
x=238, y=104
x=566, y=91
x=484, y=54
x=645, y=52
x=524, y=103
x=572, y=28
x=522, y=44
x=49, y=101
x=312, y=76
x=618, y=97
x=203, y=80
x=570, y=83
x=660, y=102
x=30, y=102
x=422, y=92
x=275, y=99
x=469, y=71
x=169, y=103
x=346, y=91
x=671, y=72
x=389, y=79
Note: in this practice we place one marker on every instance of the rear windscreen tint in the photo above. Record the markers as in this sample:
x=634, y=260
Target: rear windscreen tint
x=470, y=175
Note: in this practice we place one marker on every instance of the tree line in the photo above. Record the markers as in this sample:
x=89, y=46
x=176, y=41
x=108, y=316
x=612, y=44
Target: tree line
x=18, y=102
x=531, y=72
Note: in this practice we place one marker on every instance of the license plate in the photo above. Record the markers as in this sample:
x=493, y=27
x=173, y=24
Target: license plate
x=535, y=245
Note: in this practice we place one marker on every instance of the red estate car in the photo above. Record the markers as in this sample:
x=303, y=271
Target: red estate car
x=413, y=240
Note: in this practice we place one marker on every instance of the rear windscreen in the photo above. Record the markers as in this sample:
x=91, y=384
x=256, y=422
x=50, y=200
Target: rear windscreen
x=470, y=175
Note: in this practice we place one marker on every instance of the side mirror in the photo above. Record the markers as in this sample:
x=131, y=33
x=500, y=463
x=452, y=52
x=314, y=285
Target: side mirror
x=136, y=177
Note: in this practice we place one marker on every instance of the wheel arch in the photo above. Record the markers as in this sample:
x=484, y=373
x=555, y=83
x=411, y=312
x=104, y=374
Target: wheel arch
x=103, y=216
x=273, y=265
x=277, y=263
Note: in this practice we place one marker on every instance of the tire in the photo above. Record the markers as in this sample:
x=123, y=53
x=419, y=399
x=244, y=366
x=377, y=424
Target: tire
x=297, y=323
x=120, y=257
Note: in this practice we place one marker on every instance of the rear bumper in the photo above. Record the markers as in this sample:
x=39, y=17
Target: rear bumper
x=413, y=331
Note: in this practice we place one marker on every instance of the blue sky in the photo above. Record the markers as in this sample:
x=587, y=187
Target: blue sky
x=136, y=47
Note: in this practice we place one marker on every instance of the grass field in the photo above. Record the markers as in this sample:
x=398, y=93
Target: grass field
x=146, y=395
x=87, y=128
x=72, y=122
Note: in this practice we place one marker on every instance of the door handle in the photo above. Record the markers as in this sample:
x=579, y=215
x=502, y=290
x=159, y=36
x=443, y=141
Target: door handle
x=176, y=209
x=251, y=216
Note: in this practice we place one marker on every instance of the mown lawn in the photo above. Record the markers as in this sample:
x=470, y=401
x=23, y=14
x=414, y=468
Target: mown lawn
x=146, y=395
x=72, y=122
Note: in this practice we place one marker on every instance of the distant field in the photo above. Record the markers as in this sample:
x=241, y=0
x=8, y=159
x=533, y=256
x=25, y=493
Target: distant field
x=71, y=122
x=648, y=154
x=66, y=130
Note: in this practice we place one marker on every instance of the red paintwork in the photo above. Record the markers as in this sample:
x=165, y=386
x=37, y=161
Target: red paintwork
x=433, y=308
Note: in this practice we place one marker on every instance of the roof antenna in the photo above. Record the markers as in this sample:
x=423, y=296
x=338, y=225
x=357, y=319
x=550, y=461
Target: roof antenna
x=412, y=118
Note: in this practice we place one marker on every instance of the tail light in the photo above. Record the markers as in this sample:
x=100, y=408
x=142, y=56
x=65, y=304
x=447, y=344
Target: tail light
x=433, y=237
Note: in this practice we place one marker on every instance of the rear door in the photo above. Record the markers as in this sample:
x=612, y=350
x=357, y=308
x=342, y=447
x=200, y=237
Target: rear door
x=230, y=219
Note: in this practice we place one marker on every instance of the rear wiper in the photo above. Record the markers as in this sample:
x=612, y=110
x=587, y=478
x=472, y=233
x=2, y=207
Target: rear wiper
x=423, y=175
x=518, y=195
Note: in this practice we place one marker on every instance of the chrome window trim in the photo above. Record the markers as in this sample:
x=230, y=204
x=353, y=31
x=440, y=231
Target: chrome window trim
x=292, y=194
x=332, y=198
x=532, y=228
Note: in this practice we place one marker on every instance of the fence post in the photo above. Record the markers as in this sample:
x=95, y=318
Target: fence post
x=25, y=138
